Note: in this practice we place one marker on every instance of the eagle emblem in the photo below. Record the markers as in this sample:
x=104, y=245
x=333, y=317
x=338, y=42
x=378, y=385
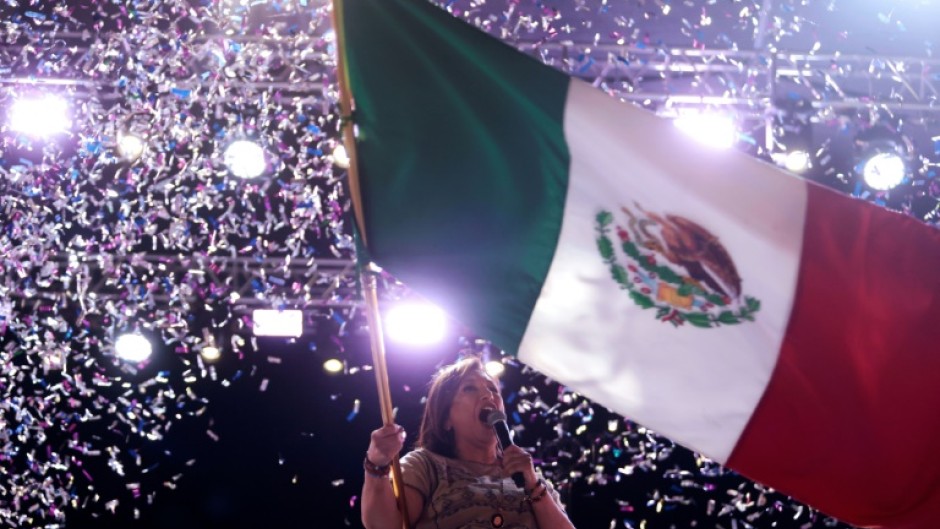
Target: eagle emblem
x=675, y=266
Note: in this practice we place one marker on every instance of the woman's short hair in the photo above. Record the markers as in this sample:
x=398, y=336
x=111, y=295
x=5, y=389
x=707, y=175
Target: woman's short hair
x=433, y=435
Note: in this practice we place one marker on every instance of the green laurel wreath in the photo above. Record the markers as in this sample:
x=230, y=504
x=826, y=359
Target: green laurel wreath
x=671, y=314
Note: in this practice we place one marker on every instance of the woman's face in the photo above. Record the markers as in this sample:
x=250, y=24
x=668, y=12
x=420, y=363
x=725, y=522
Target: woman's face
x=475, y=393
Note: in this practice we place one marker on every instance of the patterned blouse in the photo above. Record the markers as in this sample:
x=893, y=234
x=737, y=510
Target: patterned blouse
x=465, y=495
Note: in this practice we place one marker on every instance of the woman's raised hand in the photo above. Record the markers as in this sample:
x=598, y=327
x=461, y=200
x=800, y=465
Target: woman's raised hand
x=385, y=444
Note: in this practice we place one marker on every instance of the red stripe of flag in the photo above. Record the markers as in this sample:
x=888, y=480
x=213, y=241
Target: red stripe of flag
x=850, y=421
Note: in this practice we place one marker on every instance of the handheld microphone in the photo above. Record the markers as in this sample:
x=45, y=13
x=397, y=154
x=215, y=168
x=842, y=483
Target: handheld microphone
x=497, y=420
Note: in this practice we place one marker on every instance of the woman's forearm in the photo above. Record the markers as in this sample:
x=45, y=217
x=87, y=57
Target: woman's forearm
x=379, y=506
x=549, y=514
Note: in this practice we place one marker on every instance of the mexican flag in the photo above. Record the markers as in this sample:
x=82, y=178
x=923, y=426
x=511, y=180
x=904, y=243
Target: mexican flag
x=775, y=326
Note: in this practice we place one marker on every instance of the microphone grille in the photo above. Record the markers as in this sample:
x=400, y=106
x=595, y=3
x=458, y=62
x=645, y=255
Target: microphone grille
x=494, y=416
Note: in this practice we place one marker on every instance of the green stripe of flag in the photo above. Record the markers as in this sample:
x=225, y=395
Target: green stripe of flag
x=462, y=160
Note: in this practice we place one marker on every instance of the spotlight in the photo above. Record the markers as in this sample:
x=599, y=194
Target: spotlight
x=133, y=133
x=416, y=323
x=333, y=366
x=210, y=353
x=130, y=147
x=245, y=159
x=39, y=116
x=884, y=171
x=340, y=158
x=286, y=323
x=713, y=130
x=132, y=347
x=494, y=368
x=797, y=161
x=885, y=156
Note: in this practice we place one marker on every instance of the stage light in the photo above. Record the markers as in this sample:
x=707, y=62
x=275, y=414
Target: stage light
x=494, y=368
x=210, y=353
x=416, y=323
x=208, y=350
x=885, y=155
x=130, y=147
x=132, y=347
x=286, y=323
x=340, y=158
x=333, y=366
x=797, y=161
x=713, y=130
x=884, y=171
x=39, y=116
x=245, y=159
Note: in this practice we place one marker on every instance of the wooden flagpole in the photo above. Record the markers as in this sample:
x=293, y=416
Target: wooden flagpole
x=367, y=277
x=381, y=379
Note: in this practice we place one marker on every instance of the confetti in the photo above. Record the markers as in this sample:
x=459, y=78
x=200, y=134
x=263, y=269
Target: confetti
x=93, y=244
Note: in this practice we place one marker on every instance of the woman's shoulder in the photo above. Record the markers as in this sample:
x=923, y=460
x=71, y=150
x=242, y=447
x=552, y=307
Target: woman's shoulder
x=422, y=469
x=423, y=455
x=420, y=457
x=430, y=462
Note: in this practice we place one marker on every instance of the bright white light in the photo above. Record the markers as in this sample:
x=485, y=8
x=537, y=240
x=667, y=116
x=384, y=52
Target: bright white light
x=130, y=147
x=132, y=347
x=333, y=366
x=416, y=323
x=39, y=117
x=710, y=129
x=210, y=353
x=245, y=159
x=286, y=323
x=494, y=368
x=884, y=171
x=340, y=158
x=796, y=161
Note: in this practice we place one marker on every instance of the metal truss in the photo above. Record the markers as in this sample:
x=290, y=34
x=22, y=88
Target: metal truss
x=100, y=65
x=300, y=65
x=243, y=283
x=752, y=80
x=756, y=84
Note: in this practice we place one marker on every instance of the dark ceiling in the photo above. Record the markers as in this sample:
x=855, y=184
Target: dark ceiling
x=178, y=249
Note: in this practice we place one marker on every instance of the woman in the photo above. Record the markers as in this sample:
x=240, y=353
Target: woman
x=457, y=477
